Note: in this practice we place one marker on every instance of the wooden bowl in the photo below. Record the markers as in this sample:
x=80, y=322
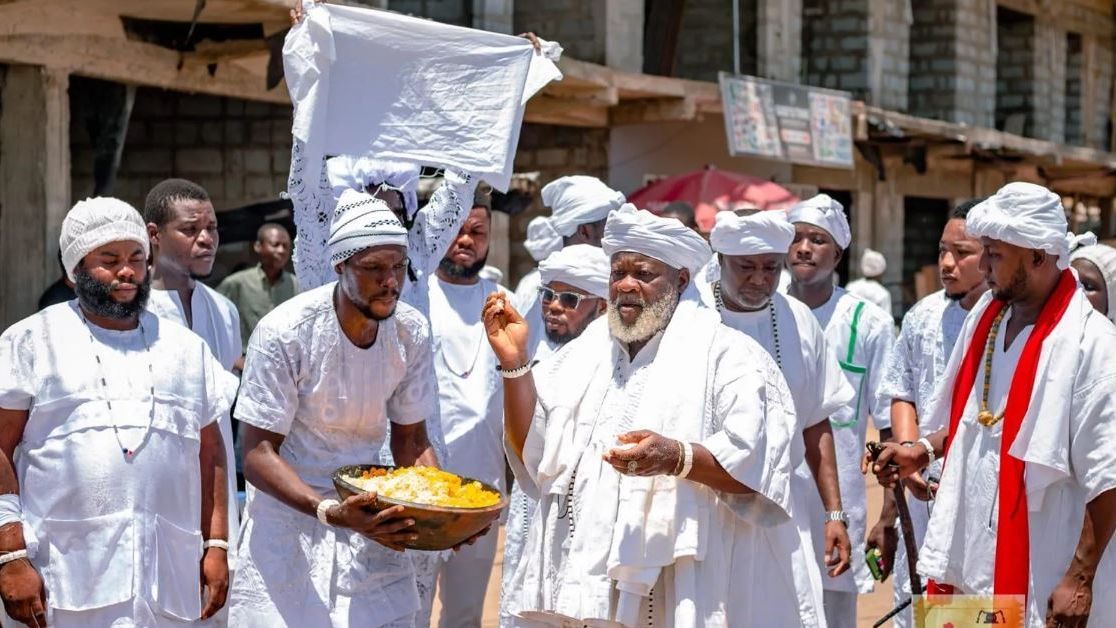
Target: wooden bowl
x=438, y=527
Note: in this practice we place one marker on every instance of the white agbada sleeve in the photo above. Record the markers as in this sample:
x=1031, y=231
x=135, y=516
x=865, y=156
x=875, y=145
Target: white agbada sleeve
x=881, y=341
x=268, y=396
x=415, y=399
x=836, y=391
x=897, y=378
x=17, y=363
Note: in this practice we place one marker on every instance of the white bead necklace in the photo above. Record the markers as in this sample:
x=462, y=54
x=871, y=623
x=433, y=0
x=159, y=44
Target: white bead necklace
x=720, y=300
x=129, y=452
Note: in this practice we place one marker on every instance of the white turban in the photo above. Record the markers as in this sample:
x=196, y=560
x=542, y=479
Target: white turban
x=95, y=222
x=766, y=231
x=573, y=201
x=822, y=211
x=872, y=263
x=1024, y=215
x=666, y=239
x=362, y=221
x=346, y=172
x=1104, y=258
x=582, y=266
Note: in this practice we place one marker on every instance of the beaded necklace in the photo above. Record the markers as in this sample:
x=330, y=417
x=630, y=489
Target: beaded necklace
x=985, y=416
x=129, y=452
x=719, y=299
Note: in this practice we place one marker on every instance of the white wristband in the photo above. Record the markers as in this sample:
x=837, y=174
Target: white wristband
x=13, y=556
x=687, y=459
x=323, y=509
x=925, y=442
x=514, y=373
x=10, y=509
x=218, y=543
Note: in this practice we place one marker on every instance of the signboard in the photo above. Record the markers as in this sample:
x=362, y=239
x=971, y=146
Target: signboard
x=796, y=123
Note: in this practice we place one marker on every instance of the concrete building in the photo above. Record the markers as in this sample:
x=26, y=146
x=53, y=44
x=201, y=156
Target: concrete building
x=954, y=97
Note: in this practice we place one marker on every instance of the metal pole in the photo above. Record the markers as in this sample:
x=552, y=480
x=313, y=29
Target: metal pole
x=736, y=37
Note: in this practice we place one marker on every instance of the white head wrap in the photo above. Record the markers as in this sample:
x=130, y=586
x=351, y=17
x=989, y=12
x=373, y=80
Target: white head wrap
x=872, y=263
x=582, y=266
x=822, y=211
x=346, y=172
x=664, y=239
x=1024, y=215
x=362, y=221
x=95, y=222
x=1104, y=258
x=766, y=231
x=573, y=201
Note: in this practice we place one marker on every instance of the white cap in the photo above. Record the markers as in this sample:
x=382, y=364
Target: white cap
x=95, y=222
x=766, y=231
x=822, y=211
x=664, y=239
x=872, y=263
x=583, y=266
x=362, y=221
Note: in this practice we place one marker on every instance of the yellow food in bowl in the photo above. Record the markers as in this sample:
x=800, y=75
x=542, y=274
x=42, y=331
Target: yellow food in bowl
x=425, y=485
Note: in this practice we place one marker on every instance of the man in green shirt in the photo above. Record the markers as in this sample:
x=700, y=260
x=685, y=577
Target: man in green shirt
x=256, y=291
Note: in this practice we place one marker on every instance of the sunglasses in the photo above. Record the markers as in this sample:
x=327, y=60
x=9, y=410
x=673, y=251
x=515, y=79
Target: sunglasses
x=568, y=300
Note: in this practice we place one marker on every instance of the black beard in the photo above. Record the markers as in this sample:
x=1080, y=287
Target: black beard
x=956, y=297
x=369, y=314
x=200, y=277
x=457, y=271
x=96, y=297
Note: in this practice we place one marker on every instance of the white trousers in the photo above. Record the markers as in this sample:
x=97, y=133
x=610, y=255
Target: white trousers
x=463, y=581
x=840, y=609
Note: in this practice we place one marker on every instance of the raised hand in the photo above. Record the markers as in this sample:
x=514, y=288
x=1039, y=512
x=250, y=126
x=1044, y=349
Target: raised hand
x=507, y=331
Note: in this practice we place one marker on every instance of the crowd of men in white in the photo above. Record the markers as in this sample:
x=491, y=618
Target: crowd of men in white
x=687, y=439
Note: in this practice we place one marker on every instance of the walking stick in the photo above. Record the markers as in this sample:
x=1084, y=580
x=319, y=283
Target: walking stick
x=909, y=544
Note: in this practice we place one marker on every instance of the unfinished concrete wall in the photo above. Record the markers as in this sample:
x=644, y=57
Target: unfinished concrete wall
x=952, y=61
x=1015, y=67
x=1075, y=68
x=705, y=39
x=579, y=25
x=860, y=46
x=238, y=151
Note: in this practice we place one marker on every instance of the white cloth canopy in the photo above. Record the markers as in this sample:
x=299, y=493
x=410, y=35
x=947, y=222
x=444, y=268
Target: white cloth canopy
x=1024, y=215
x=573, y=201
x=95, y=222
x=666, y=239
x=1104, y=258
x=766, y=231
x=405, y=88
x=825, y=212
x=582, y=266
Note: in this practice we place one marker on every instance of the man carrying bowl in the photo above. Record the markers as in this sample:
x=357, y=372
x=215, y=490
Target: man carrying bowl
x=325, y=373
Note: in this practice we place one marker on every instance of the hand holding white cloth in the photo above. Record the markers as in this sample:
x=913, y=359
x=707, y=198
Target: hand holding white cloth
x=410, y=89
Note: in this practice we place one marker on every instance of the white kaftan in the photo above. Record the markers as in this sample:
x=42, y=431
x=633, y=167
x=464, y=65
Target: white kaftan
x=914, y=370
x=818, y=390
x=610, y=550
x=217, y=321
x=117, y=541
x=470, y=400
x=861, y=336
x=1067, y=440
x=332, y=401
x=871, y=291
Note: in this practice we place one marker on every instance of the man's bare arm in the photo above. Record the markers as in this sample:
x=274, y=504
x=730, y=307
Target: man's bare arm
x=410, y=446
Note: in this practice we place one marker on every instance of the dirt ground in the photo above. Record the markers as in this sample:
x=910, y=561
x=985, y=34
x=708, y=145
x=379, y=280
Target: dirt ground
x=870, y=607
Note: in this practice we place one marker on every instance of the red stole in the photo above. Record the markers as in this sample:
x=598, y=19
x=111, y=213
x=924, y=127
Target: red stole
x=1012, y=569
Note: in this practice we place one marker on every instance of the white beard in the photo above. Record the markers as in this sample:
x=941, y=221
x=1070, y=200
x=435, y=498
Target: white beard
x=652, y=319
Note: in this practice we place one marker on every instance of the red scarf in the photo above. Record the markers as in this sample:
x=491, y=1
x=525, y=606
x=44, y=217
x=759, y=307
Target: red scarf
x=1012, y=537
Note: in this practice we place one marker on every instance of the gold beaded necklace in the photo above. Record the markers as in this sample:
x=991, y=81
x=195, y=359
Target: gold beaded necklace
x=985, y=416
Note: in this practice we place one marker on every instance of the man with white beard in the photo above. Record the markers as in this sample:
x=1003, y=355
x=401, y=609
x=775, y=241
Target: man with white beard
x=913, y=371
x=657, y=444
x=574, y=293
x=861, y=335
x=751, y=250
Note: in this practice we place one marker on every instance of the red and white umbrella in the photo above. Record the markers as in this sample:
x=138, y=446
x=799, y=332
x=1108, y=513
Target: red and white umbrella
x=711, y=190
